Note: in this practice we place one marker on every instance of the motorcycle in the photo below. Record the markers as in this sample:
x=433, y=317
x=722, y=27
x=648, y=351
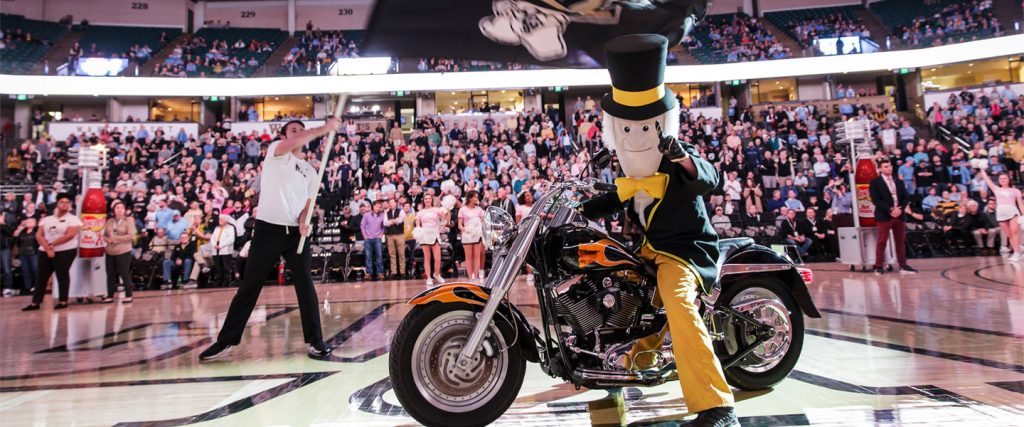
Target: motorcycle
x=459, y=357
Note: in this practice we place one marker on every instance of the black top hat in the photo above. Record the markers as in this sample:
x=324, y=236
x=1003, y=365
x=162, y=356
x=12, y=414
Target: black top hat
x=636, y=64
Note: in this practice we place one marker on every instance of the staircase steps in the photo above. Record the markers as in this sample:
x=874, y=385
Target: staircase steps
x=795, y=49
x=274, y=62
x=149, y=68
x=59, y=53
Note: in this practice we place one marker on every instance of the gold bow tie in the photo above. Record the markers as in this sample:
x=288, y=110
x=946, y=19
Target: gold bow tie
x=654, y=186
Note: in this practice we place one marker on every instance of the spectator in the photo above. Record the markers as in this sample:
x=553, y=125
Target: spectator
x=223, y=241
x=720, y=222
x=28, y=250
x=119, y=232
x=394, y=232
x=177, y=226
x=372, y=226
x=7, y=239
x=793, y=234
x=984, y=227
x=178, y=268
x=793, y=203
x=58, y=237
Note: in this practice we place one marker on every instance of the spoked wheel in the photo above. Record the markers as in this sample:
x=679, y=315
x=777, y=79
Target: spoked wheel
x=425, y=377
x=766, y=300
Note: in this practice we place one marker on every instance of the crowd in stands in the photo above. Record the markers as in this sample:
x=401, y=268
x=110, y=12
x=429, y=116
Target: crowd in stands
x=12, y=39
x=316, y=50
x=437, y=65
x=197, y=57
x=785, y=180
x=953, y=23
x=734, y=38
x=837, y=25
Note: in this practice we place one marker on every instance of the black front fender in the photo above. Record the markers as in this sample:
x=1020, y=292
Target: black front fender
x=757, y=260
x=476, y=295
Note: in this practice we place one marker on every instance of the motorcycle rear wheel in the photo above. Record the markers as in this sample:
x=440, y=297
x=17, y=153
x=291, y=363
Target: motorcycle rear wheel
x=424, y=377
x=756, y=372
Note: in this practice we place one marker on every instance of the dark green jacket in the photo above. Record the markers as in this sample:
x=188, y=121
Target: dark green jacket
x=678, y=225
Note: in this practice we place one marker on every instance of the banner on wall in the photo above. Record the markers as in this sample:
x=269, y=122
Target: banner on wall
x=274, y=128
x=62, y=130
x=563, y=33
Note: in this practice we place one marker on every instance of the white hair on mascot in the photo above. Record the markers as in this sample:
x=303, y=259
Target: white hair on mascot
x=636, y=137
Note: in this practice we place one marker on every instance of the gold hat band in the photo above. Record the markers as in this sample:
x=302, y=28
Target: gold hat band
x=638, y=99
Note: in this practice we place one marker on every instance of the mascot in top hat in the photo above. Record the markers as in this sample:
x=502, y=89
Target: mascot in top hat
x=663, y=191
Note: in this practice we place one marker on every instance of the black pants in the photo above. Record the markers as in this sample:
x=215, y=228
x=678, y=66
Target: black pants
x=60, y=265
x=222, y=268
x=269, y=243
x=119, y=266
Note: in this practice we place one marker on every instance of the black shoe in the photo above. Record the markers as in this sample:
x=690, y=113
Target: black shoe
x=906, y=269
x=319, y=350
x=31, y=307
x=723, y=416
x=214, y=351
x=879, y=271
x=61, y=305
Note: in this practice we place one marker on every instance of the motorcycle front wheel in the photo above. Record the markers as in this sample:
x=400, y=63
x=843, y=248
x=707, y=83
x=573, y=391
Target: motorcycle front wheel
x=767, y=300
x=425, y=378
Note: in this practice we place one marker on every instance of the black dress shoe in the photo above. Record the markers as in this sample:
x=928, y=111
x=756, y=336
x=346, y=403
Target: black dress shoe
x=31, y=307
x=319, y=350
x=214, y=351
x=723, y=416
x=906, y=269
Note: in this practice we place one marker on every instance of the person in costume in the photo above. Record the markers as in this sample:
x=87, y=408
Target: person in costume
x=662, y=192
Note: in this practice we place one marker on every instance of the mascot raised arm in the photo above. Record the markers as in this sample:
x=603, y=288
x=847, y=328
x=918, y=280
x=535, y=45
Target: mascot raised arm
x=663, y=191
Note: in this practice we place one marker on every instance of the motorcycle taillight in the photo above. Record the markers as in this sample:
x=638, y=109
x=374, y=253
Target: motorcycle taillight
x=806, y=274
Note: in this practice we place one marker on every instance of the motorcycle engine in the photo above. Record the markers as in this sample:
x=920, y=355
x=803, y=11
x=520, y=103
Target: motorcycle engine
x=588, y=303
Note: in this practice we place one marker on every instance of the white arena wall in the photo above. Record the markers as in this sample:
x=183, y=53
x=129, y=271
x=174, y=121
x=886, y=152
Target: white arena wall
x=359, y=84
x=325, y=14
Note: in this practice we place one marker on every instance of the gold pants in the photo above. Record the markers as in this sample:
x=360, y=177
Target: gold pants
x=700, y=373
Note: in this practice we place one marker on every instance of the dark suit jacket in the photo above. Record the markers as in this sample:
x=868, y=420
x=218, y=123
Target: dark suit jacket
x=882, y=197
x=677, y=225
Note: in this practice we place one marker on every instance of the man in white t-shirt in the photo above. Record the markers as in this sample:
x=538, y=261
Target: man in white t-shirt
x=58, y=242
x=287, y=187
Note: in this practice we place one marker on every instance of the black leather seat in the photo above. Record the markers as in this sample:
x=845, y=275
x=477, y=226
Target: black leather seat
x=728, y=247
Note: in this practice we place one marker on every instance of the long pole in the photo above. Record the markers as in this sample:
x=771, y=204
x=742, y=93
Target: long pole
x=338, y=109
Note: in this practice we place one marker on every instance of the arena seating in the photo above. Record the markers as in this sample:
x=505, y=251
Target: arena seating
x=926, y=24
x=817, y=22
x=734, y=38
x=112, y=40
x=231, y=35
x=302, y=58
x=20, y=56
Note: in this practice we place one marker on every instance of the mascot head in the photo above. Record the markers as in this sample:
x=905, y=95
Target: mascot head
x=639, y=105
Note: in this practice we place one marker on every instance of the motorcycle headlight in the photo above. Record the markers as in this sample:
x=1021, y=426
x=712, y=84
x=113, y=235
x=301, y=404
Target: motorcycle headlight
x=499, y=228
